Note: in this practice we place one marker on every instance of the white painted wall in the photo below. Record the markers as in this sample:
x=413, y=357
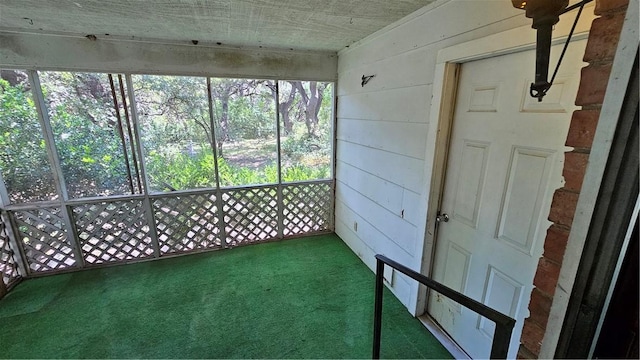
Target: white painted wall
x=384, y=144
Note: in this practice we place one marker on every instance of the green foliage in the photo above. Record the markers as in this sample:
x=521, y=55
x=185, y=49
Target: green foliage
x=90, y=156
x=297, y=147
x=234, y=175
x=251, y=117
x=180, y=171
x=175, y=130
x=303, y=173
x=84, y=126
x=23, y=158
x=172, y=110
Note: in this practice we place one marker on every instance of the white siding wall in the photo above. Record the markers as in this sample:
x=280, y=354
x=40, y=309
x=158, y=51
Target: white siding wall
x=383, y=151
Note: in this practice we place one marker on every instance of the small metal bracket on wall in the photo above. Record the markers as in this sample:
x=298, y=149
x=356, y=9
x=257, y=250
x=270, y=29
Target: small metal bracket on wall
x=366, y=79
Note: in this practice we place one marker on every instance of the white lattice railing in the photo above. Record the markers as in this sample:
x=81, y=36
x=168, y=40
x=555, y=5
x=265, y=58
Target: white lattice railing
x=187, y=222
x=250, y=214
x=306, y=209
x=98, y=231
x=43, y=236
x=112, y=231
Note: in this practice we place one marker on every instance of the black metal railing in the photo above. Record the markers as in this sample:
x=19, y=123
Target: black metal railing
x=504, y=324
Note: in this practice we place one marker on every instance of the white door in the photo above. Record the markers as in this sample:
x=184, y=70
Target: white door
x=506, y=155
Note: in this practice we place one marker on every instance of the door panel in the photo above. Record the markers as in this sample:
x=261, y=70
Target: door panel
x=506, y=155
x=471, y=176
x=502, y=293
x=524, y=194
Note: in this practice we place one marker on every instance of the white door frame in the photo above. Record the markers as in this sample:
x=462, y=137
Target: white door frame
x=447, y=67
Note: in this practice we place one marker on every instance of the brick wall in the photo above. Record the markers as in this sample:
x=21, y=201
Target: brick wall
x=601, y=48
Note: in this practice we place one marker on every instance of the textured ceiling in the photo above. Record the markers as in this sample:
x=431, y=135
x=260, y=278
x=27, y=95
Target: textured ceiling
x=298, y=24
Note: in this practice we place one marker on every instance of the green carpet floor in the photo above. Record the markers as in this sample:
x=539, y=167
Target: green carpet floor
x=304, y=298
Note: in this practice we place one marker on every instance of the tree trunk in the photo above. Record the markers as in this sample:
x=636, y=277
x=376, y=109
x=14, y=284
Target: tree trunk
x=206, y=130
x=318, y=105
x=312, y=102
x=311, y=114
x=285, y=108
x=15, y=78
x=224, y=123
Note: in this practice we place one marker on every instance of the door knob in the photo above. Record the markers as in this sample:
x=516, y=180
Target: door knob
x=442, y=218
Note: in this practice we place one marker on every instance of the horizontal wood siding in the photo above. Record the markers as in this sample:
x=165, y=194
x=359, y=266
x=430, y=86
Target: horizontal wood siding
x=383, y=128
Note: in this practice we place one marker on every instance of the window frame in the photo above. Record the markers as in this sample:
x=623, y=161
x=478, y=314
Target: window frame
x=53, y=154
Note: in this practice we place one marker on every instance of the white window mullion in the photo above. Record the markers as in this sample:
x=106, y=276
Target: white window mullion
x=54, y=161
x=4, y=193
x=334, y=129
x=334, y=145
x=278, y=130
x=47, y=132
x=219, y=202
x=279, y=195
x=149, y=213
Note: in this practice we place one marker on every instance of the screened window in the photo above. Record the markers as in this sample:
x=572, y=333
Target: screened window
x=23, y=156
x=244, y=114
x=306, y=123
x=176, y=133
x=186, y=132
x=88, y=132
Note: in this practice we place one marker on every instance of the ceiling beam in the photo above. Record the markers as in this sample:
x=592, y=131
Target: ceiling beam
x=75, y=53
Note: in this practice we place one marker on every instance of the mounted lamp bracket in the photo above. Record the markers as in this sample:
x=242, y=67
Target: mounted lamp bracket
x=545, y=14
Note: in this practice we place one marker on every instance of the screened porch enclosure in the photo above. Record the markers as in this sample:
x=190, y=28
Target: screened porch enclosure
x=100, y=168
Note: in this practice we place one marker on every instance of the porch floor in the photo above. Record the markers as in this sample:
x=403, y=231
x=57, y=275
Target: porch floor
x=304, y=298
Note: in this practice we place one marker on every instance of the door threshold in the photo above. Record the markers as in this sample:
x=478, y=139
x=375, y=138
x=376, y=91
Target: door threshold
x=452, y=347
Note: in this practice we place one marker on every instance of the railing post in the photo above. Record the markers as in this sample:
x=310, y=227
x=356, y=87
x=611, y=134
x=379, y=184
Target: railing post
x=279, y=187
x=501, y=340
x=504, y=324
x=377, y=315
